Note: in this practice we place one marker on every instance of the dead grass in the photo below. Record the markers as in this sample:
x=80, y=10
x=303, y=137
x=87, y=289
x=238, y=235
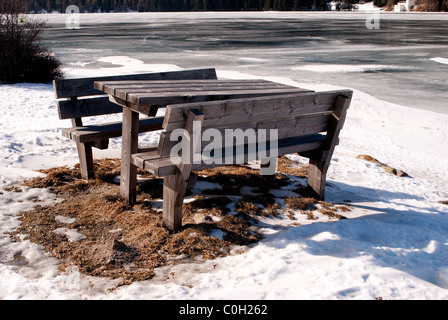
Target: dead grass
x=241, y=176
x=300, y=203
x=287, y=166
x=308, y=205
x=122, y=241
x=309, y=214
x=130, y=242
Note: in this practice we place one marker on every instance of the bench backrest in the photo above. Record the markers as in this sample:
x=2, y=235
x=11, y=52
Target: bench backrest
x=293, y=115
x=95, y=103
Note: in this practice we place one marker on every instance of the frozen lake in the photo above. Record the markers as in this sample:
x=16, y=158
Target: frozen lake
x=405, y=61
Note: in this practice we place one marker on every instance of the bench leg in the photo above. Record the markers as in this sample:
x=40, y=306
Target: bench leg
x=318, y=168
x=174, y=188
x=317, y=173
x=128, y=175
x=85, y=160
x=85, y=154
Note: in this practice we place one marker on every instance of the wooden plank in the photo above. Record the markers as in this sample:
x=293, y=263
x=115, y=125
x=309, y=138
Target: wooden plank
x=153, y=163
x=110, y=86
x=318, y=168
x=86, y=107
x=150, y=109
x=286, y=128
x=85, y=86
x=85, y=154
x=131, y=92
x=174, y=189
x=147, y=149
x=162, y=166
x=194, y=116
x=147, y=110
x=85, y=160
x=253, y=105
x=200, y=96
x=108, y=130
x=256, y=115
x=285, y=146
x=175, y=185
x=128, y=175
x=122, y=89
x=336, y=124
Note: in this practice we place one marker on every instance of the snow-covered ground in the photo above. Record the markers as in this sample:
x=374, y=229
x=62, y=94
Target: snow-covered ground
x=394, y=244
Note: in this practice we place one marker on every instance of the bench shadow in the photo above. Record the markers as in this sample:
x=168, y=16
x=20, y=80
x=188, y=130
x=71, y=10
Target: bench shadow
x=401, y=236
x=339, y=191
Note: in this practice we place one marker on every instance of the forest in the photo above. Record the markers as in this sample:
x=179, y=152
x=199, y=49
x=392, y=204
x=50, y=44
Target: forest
x=175, y=5
x=35, y=6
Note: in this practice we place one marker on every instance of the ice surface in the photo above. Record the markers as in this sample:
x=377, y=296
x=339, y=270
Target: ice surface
x=395, y=63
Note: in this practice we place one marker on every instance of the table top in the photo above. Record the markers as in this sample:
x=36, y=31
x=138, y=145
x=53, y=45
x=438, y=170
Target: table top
x=146, y=96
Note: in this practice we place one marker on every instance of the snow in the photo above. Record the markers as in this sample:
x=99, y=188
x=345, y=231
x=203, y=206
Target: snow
x=72, y=234
x=440, y=60
x=394, y=244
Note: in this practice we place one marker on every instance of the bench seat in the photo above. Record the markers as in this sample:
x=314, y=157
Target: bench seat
x=151, y=161
x=90, y=133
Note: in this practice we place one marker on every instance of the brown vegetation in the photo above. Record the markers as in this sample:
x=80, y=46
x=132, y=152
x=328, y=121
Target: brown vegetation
x=119, y=241
x=22, y=56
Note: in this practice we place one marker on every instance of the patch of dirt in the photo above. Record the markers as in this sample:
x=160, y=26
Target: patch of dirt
x=111, y=239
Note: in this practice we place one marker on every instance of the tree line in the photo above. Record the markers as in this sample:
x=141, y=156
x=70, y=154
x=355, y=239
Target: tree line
x=211, y=5
x=420, y=5
x=175, y=5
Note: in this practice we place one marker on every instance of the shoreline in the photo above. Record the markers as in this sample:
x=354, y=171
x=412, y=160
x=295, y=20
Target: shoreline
x=388, y=15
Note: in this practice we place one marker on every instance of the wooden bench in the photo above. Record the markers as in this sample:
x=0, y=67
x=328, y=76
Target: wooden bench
x=307, y=123
x=80, y=99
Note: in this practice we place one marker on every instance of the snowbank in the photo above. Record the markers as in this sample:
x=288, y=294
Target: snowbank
x=440, y=60
x=394, y=244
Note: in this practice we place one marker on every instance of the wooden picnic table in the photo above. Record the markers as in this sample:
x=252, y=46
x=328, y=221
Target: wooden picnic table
x=146, y=97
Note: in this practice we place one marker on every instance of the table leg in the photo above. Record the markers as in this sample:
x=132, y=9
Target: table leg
x=128, y=180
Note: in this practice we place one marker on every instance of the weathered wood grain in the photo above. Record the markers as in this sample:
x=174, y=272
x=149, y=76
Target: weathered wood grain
x=68, y=88
x=152, y=162
x=252, y=110
x=108, y=130
x=318, y=168
x=98, y=135
x=80, y=108
x=175, y=185
x=286, y=128
x=128, y=175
